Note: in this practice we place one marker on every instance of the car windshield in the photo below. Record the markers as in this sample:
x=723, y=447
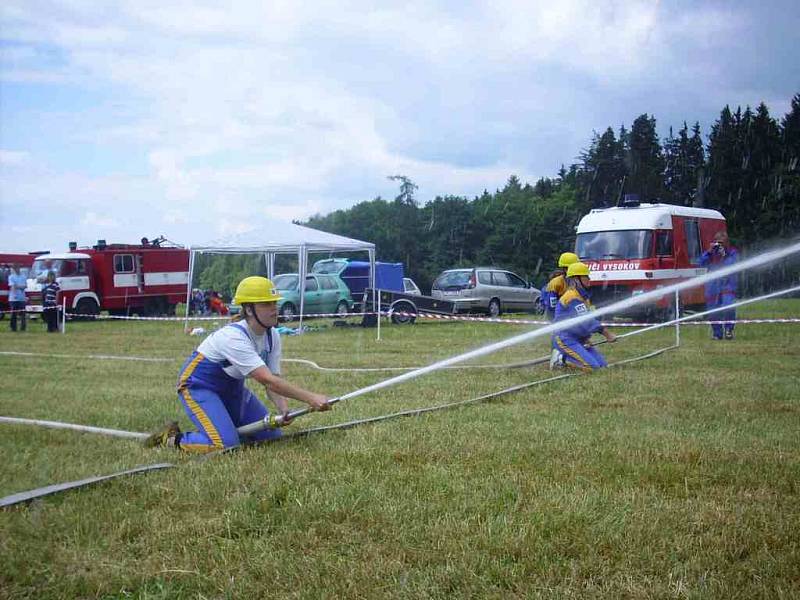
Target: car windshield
x=609, y=245
x=285, y=282
x=453, y=279
x=328, y=267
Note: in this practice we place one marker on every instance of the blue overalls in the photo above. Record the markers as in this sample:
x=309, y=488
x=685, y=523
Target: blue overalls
x=721, y=292
x=217, y=403
x=571, y=341
x=551, y=292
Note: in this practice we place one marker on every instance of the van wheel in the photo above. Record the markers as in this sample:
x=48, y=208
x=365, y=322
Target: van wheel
x=494, y=308
x=404, y=319
x=87, y=308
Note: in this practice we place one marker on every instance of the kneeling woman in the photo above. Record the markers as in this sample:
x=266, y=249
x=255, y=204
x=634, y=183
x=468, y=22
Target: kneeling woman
x=573, y=342
x=211, y=383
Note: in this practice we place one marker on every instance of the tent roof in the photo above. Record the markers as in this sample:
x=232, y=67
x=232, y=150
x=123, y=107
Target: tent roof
x=281, y=237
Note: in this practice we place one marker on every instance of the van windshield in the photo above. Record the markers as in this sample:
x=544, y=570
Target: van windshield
x=609, y=245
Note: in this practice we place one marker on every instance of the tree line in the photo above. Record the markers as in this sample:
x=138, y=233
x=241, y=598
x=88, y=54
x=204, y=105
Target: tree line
x=748, y=168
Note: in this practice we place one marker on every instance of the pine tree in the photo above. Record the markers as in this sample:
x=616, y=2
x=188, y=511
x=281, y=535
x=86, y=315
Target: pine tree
x=645, y=161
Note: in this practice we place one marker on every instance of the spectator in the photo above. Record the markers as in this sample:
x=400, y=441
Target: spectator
x=50, y=293
x=722, y=291
x=16, y=297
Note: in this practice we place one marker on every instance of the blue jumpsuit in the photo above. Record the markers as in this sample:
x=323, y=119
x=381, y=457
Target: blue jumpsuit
x=217, y=403
x=721, y=292
x=551, y=292
x=571, y=341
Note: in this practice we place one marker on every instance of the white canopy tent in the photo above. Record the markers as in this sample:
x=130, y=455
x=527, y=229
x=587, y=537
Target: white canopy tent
x=279, y=237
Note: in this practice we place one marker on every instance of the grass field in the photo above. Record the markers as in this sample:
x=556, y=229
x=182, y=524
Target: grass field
x=673, y=477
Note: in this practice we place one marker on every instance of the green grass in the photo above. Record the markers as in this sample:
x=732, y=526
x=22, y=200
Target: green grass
x=678, y=476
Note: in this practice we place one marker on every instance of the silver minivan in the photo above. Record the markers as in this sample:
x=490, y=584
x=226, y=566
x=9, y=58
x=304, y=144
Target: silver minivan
x=486, y=289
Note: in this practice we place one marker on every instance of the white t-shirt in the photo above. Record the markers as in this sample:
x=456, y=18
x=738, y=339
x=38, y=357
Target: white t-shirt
x=244, y=351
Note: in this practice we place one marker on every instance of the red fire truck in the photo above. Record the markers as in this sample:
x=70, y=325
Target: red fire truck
x=635, y=248
x=147, y=279
x=6, y=260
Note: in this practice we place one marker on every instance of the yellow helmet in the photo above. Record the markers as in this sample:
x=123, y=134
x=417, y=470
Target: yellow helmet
x=255, y=289
x=567, y=258
x=577, y=268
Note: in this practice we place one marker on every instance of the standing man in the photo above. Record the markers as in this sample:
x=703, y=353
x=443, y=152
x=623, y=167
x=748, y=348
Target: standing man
x=573, y=342
x=16, y=297
x=211, y=383
x=722, y=291
x=50, y=292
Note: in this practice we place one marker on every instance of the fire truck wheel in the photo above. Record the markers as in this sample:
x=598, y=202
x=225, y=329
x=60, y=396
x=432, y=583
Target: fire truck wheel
x=87, y=308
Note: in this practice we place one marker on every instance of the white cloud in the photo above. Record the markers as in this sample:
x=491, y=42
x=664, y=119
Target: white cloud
x=13, y=158
x=92, y=219
x=288, y=109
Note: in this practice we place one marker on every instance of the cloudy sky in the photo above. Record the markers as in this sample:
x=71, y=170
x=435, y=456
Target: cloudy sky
x=139, y=118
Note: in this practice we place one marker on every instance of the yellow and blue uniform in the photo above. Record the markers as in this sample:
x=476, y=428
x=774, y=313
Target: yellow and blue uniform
x=218, y=403
x=551, y=292
x=571, y=342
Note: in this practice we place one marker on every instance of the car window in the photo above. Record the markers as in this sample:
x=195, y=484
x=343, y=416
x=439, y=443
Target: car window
x=517, y=282
x=285, y=282
x=485, y=277
x=501, y=278
x=327, y=283
x=311, y=284
x=452, y=279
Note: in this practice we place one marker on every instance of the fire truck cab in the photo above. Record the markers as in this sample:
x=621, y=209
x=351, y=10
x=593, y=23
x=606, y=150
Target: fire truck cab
x=635, y=248
x=145, y=279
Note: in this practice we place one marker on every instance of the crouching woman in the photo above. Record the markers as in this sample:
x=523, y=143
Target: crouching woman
x=211, y=384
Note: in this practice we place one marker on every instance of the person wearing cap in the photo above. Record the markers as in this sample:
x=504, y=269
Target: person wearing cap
x=573, y=341
x=211, y=383
x=721, y=291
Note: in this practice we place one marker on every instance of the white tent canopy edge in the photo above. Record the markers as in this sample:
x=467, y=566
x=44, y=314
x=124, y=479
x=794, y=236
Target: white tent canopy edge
x=278, y=237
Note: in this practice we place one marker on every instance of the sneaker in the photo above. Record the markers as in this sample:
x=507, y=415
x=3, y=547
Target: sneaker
x=729, y=334
x=167, y=437
x=556, y=359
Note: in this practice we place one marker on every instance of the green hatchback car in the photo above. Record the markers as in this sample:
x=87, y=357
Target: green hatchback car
x=325, y=294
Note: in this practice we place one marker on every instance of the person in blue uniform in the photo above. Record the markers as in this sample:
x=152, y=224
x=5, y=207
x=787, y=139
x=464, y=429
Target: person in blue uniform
x=721, y=292
x=573, y=341
x=211, y=383
x=552, y=291
x=557, y=284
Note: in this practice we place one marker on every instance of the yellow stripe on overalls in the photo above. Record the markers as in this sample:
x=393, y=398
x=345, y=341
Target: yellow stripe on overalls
x=567, y=350
x=198, y=412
